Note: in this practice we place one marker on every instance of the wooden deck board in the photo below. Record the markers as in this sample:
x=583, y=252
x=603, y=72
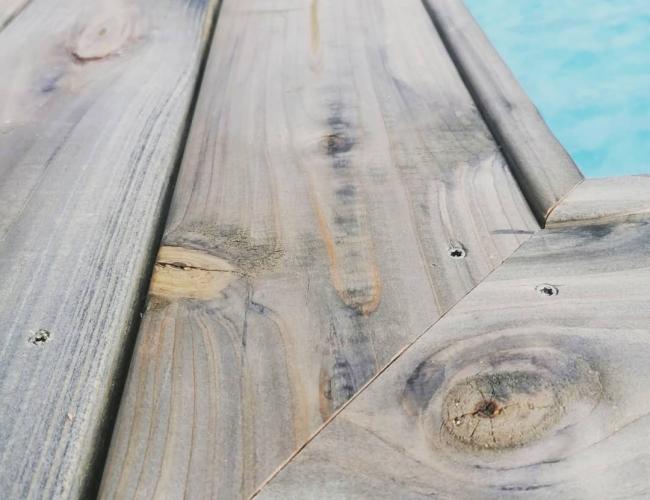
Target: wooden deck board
x=95, y=98
x=517, y=391
x=544, y=170
x=612, y=199
x=338, y=193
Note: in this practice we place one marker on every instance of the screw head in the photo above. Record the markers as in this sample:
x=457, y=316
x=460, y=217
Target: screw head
x=457, y=252
x=40, y=336
x=547, y=290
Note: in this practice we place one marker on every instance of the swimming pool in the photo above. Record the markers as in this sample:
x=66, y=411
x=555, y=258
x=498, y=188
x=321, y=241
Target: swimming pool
x=586, y=65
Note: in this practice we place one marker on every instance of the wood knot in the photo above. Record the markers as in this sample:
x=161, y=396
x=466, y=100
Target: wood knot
x=185, y=273
x=501, y=410
x=510, y=408
x=502, y=394
x=106, y=33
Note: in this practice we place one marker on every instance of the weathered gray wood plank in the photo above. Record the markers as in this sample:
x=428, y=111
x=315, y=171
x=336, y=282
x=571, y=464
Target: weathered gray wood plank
x=544, y=170
x=605, y=200
x=339, y=192
x=93, y=108
x=9, y=9
x=518, y=391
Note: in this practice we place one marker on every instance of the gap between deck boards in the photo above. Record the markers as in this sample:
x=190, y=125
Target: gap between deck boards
x=93, y=480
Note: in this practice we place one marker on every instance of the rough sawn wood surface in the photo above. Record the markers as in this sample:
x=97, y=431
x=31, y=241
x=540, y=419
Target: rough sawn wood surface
x=339, y=192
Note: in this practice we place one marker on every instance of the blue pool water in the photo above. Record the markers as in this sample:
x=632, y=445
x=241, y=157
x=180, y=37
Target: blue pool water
x=586, y=65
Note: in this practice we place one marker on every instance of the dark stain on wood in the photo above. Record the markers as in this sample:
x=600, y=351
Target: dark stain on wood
x=422, y=384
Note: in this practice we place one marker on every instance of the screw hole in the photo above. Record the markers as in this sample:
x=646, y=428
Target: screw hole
x=457, y=252
x=40, y=337
x=547, y=290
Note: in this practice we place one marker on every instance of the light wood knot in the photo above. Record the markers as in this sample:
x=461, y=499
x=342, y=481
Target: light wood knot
x=502, y=394
x=105, y=33
x=510, y=408
x=501, y=410
x=185, y=273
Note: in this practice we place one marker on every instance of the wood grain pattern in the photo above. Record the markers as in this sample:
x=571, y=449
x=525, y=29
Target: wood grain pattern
x=95, y=97
x=544, y=170
x=9, y=9
x=339, y=168
x=611, y=199
x=535, y=385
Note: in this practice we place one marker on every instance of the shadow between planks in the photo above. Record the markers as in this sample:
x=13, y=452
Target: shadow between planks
x=91, y=122
x=339, y=192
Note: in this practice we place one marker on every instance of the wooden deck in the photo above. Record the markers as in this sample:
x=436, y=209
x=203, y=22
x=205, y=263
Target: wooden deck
x=305, y=249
